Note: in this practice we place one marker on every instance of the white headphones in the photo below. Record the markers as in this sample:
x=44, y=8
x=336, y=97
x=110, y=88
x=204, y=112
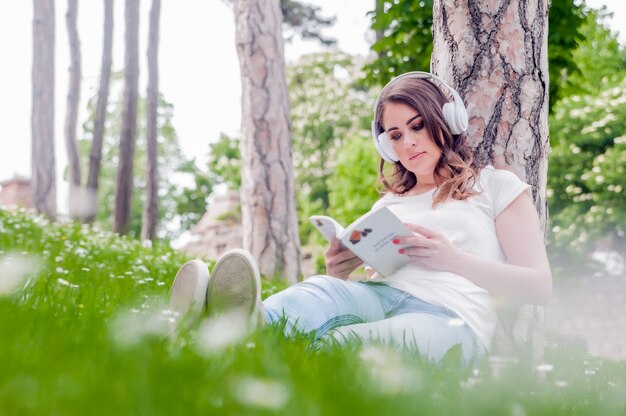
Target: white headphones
x=454, y=113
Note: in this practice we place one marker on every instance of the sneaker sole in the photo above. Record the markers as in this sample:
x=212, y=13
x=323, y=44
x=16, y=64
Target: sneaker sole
x=189, y=288
x=234, y=285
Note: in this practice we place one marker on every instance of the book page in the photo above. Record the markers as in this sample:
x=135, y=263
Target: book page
x=371, y=238
x=327, y=226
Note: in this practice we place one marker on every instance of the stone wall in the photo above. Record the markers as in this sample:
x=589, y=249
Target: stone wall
x=219, y=229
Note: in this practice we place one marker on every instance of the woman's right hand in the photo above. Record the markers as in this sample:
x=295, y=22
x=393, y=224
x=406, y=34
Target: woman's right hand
x=340, y=262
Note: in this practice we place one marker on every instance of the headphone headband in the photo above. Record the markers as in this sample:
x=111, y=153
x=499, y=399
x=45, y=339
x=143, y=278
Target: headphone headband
x=454, y=113
x=421, y=75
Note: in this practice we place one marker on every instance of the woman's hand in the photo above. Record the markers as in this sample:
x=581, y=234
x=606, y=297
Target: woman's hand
x=340, y=262
x=428, y=248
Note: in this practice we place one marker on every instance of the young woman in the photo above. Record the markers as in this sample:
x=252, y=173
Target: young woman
x=475, y=238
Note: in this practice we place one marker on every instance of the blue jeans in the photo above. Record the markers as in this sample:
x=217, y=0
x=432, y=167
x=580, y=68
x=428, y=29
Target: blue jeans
x=340, y=311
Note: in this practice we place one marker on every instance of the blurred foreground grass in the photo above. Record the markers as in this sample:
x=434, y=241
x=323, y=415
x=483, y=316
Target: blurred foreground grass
x=84, y=329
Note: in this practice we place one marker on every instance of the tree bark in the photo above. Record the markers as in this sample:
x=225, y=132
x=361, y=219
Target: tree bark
x=497, y=59
x=95, y=156
x=268, y=197
x=124, y=184
x=151, y=208
x=42, y=117
x=71, y=116
x=495, y=54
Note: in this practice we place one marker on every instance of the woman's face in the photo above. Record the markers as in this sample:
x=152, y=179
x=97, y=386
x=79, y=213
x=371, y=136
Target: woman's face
x=412, y=142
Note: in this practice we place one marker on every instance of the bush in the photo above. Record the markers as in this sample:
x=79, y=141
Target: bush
x=586, y=180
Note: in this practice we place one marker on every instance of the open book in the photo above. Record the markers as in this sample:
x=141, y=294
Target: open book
x=370, y=237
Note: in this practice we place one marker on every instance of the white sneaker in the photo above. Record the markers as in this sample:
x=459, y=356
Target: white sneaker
x=235, y=286
x=188, y=293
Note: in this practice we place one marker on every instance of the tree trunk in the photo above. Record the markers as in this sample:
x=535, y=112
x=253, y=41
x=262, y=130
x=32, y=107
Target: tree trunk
x=95, y=155
x=42, y=117
x=71, y=116
x=495, y=55
x=268, y=198
x=151, y=208
x=124, y=184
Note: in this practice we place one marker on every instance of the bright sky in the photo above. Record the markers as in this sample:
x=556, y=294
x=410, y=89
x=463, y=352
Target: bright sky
x=199, y=70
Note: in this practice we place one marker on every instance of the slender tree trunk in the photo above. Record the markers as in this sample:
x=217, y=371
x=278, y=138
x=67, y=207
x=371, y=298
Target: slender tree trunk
x=71, y=116
x=124, y=185
x=95, y=155
x=42, y=117
x=268, y=198
x=495, y=55
x=151, y=206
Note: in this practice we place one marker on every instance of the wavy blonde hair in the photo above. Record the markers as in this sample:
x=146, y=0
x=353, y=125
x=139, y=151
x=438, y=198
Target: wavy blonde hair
x=455, y=173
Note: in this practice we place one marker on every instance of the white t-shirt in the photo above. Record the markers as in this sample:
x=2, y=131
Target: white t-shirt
x=470, y=226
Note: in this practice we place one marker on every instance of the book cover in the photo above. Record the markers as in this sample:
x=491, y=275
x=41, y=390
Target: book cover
x=370, y=238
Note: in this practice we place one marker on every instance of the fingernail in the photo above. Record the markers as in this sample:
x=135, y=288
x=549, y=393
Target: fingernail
x=396, y=241
x=401, y=251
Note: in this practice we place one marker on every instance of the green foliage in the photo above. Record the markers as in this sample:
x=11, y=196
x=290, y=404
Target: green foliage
x=352, y=188
x=326, y=110
x=565, y=18
x=170, y=158
x=586, y=180
x=225, y=161
x=599, y=57
x=353, y=180
x=404, y=40
x=89, y=334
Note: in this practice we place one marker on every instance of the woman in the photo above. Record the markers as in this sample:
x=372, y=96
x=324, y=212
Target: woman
x=476, y=237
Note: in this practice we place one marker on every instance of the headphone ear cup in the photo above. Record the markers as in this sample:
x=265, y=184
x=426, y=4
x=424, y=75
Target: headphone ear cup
x=456, y=116
x=383, y=145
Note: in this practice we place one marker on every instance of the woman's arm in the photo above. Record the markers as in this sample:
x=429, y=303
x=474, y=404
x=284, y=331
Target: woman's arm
x=526, y=277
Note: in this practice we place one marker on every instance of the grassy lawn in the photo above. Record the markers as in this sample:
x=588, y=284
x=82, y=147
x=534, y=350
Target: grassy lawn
x=84, y=329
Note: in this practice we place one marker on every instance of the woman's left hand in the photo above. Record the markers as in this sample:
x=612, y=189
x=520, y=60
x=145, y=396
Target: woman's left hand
x=428, y=248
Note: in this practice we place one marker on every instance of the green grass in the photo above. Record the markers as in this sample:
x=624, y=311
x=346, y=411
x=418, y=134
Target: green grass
x=86, y=333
